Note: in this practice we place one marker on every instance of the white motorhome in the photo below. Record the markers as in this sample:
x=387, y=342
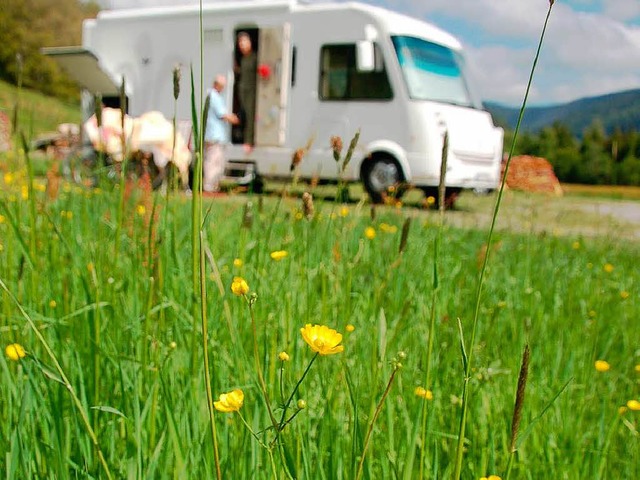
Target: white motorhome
x=336, y=68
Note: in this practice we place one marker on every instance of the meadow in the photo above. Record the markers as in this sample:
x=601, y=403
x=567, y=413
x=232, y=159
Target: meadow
x=150, y=335
x=113, y=307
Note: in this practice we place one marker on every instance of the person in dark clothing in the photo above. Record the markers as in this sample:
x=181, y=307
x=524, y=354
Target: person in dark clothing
x=247, y=85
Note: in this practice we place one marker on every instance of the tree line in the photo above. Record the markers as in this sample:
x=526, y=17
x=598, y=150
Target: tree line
x=29, y=25
x=597, y=158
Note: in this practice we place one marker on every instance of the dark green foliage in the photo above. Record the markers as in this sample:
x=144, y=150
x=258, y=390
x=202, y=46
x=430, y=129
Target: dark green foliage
x=29, y=25
x=595, y=159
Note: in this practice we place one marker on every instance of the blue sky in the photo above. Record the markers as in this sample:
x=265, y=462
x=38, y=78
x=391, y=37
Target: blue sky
x=592, y=47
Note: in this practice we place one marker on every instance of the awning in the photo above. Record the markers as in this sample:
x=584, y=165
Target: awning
x=83, y=67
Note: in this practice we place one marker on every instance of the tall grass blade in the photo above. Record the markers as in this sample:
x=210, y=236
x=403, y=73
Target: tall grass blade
x=77, y=402
x=527, y=431
x=474, y=328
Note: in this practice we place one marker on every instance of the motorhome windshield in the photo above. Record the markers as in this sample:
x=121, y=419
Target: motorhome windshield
x=432, y=71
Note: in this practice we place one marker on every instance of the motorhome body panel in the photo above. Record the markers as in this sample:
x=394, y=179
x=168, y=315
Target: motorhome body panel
x=144, y=46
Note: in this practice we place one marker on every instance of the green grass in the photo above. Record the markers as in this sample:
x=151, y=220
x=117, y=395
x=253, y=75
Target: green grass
x=38, y=113
x=603, y=191
x=551, y=291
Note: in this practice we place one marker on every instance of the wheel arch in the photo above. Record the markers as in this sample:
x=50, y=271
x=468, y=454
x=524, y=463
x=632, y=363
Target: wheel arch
x=388, y=149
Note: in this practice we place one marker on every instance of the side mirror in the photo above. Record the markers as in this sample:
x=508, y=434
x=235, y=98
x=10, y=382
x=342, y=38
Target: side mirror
x=365, y=56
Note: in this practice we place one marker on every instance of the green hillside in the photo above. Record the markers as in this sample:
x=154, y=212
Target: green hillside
x=620, y=110
x=37, y=113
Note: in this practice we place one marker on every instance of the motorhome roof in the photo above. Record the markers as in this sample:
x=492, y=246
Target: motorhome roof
x=161, y=11
x=392, y=22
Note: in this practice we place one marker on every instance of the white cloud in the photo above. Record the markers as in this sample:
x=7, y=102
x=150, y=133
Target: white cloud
x=589, y=41
x=501, y=73
x=622, y=9
x=502, y=19
x=583, y=54
x=593, y=85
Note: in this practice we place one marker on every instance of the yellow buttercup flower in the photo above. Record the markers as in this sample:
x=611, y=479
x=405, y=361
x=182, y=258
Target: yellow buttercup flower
x=608, y=267
x=230, y=402
x=624, y=294
x=370, y=233
x=423, y=393
x=637, y=368
x=576, y=245
x=8, y=178
x=53, y=304
x=283, y=356
x=385, y=227
x=634, y=405
x=344, y=211
x=602, y=366
x=141, y=209
x=237, y=262
x=239, y=286
x=2, y=218
x=350, y=328
x=24, y=191
x=431, y=200
x=322, y=339
x=279, y=255
x=15, y=352
x=491, y=477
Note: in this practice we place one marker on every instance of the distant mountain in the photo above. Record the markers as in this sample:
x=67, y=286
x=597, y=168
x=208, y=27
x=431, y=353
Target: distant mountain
x=615, y=110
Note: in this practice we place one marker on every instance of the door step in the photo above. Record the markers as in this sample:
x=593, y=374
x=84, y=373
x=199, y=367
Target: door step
x=242, y=173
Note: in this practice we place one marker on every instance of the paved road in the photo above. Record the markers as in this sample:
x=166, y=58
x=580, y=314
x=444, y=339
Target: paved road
x=626, y=211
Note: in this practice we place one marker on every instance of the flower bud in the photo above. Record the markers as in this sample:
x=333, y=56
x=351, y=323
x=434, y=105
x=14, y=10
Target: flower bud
x=283, y=356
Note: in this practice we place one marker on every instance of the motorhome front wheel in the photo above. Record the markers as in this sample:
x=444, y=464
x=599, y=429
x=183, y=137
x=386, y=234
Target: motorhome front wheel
x=382, y=177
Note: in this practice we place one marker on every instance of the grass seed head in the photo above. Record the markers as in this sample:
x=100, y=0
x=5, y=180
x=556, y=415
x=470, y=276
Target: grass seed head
x=307, y=205
x=296, y=159
x=405, y=235
x=177, y=73
x=336, y=146
x=517, y=410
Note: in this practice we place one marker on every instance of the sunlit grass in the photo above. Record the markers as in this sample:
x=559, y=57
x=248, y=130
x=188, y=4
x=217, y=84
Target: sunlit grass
x=603, y=191
x=571, y=297
x=106, y=376
x=39, y=114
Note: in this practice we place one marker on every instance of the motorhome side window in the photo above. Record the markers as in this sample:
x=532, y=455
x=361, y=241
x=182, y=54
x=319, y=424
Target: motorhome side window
x=341, y=80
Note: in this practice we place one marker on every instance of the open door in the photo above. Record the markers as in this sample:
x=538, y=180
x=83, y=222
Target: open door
x=273, y=85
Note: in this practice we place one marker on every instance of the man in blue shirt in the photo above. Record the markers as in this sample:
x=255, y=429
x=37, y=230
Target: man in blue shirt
x=216, y=135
